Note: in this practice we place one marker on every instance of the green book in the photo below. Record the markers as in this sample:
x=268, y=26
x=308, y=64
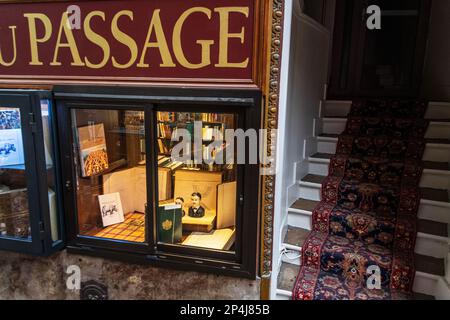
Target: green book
x=169, y=223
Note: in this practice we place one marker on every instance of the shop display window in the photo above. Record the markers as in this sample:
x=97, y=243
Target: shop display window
x=110, y=157
x=197, y=199
x=14, y=212
x=30, y=205
x=150, y=180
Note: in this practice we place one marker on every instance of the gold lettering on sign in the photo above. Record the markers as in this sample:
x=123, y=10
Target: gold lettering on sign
x=125, y=39
x=71, y=44
x=205, y=44
x=161, y=42
x=2, y=60
x=34, y=40
x=225, y=36
x=97, y=39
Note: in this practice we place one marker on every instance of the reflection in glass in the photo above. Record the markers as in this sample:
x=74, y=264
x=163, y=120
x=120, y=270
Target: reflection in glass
x=197, y=199
x=46, y=114
x=14, y=212
x=109, y=156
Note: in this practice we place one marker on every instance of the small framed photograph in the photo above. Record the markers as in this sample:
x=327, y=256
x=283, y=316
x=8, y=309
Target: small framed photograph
x=111, y=209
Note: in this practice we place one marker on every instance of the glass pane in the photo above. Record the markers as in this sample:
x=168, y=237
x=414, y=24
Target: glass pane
x=46, y=114
x=109, y=149
x=14, y=212
x=196, y=187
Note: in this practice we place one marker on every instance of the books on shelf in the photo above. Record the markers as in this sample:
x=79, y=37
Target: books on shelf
x=162, y=147
x=165, y=116
x=164, y=131
x=164, y=184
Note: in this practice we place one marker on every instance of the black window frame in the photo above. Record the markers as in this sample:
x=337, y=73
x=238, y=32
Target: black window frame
x=29, y=103
x=246, y=103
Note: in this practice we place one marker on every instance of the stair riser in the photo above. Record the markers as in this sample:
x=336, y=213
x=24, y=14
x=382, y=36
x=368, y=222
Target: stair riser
x=438, y=111
x=424, y=244
x=435, y=110
x=336, y=108
x=430, y=179
x=432, y=212
x=337, y=126
x=427, y=210
x=425, y=284
x=433, y=152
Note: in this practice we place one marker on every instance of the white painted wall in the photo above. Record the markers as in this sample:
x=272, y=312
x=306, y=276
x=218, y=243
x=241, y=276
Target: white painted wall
x=436, y=79
x=304, y=73
x=280, y=194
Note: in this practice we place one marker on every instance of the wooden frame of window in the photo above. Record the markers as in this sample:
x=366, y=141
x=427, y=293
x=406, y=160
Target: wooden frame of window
x=41, y=243
x=245, y=103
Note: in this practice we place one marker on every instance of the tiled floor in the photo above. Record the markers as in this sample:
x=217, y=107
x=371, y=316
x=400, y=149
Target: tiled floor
x=132, y=229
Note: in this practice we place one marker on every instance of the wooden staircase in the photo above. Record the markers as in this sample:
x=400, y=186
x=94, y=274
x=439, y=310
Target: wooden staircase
x=432, y=245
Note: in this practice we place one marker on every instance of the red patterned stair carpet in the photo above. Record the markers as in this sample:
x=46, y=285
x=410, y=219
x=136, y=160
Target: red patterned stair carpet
x=365, y=224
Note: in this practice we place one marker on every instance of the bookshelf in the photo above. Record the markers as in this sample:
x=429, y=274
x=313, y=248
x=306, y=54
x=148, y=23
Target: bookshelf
x=212, y=124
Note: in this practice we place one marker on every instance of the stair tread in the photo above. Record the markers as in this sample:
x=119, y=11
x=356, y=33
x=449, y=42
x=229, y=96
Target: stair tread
x=436, y=141
x=427, y=193
x=320, y=155
x=434, y=228
x=328, y=135
x=305, y=204
x=313, y=178
x=296, y=236
x=444, y=166
x=287, y=276
x=427, y=264
x=329, y=117
x=289, y=272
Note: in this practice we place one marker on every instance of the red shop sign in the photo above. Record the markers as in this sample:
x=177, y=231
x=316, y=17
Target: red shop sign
x=140, y=41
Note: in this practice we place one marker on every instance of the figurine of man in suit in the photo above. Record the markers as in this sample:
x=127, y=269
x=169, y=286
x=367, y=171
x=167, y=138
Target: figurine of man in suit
x=196, y=210
x=180, y=201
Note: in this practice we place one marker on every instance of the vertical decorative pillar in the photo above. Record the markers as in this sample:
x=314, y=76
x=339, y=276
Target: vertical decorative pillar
x=272, y=86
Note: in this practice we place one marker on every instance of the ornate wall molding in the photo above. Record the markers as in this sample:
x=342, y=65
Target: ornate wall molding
x=274, y=49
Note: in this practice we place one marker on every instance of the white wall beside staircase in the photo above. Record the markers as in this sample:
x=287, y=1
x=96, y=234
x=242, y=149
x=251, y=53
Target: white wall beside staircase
x=305, y=67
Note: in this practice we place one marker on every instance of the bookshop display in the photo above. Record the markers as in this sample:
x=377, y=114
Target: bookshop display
x=14, y=213
x=199, y=207
x=196, y=200
x=111, y=182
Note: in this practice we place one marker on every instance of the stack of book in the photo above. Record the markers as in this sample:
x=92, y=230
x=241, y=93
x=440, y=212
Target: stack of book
x=167, y=162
